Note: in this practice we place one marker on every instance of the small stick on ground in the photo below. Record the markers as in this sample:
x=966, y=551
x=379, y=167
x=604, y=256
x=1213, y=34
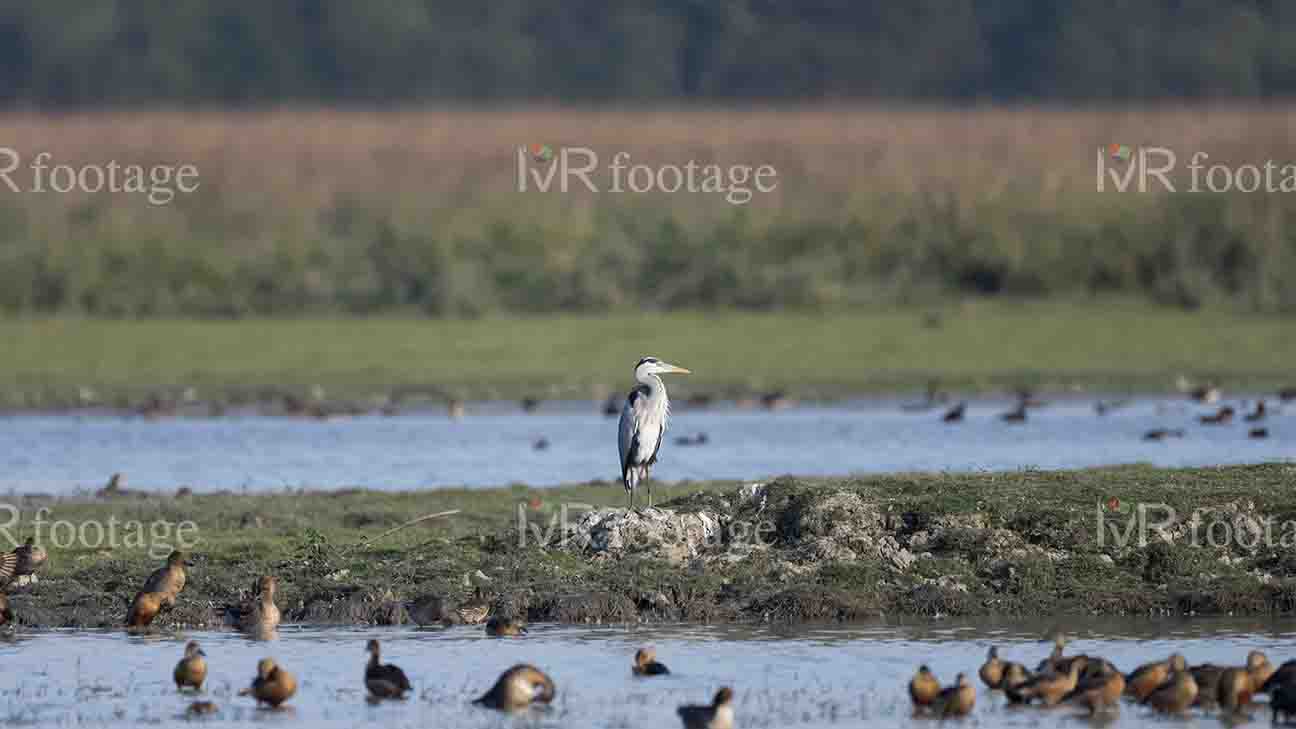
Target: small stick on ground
x=411, y=522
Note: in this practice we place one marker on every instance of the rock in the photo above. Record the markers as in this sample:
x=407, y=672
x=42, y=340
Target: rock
x=754, y=494
x=658, y=533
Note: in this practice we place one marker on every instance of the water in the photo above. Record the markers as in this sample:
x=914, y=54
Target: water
x=493, y=445
x=803, y=677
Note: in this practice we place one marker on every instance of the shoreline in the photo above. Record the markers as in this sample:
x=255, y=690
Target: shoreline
x=793, y=550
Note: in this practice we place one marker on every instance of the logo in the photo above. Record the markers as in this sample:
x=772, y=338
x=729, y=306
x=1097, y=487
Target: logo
x=1120, y=152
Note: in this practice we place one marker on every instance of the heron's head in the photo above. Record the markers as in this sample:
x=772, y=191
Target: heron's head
x=654, y=366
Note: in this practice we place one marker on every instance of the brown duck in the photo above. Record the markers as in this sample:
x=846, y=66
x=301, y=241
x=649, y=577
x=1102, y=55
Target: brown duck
x=645, y=664
x=470, y=612
x=146, y=606
x=260, y=614
x=924, y=688
x=191, y=671
x=1234, y=690
x=1142, y=681
x=384, y=681
x=719, y=715
x=1176, y=695
x=272, y=685
x=1100, y=692
x=517, y=688
x=170, y=578
x=6, y=612
x=1260, y=668
x=1207, y=677
x=504, y=627
x=1051, y=686
x=22, y=561
x=1015, y=676
x=992, y=670
x=957, y=700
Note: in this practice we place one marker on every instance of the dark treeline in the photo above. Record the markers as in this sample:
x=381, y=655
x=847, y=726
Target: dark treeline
x=72, y=53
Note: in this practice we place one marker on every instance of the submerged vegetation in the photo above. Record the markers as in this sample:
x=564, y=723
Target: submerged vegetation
x=1211, y=541
x=418, y=211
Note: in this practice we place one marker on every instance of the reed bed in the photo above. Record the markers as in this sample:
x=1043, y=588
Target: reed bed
x=359, y=211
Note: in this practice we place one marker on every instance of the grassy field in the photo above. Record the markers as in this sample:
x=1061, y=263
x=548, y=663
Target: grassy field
x=308, y=211
x=1023, y=543
x=979, y=345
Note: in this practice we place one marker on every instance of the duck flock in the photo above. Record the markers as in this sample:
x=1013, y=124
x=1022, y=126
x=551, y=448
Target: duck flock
x=517, y=688
x=1169, y=685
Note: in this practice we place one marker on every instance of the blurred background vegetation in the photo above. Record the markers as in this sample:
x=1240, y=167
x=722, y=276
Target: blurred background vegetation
x=359, y=159
x=64, y=52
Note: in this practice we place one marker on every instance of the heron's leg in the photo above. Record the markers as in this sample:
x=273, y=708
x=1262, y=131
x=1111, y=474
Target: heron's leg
x=648, y=485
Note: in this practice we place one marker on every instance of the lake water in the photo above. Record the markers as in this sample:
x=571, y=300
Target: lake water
x=495, y=445
x=783, y=678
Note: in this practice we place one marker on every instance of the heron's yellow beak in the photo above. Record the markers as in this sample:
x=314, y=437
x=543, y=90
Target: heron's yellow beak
x=678, y=370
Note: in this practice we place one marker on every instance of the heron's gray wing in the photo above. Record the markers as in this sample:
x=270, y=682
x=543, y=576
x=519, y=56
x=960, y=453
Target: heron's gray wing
x=626, y=432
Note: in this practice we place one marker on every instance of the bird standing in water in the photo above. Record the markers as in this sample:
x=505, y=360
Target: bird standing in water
x=384, y=680
x=191, y=671
x=643, y=424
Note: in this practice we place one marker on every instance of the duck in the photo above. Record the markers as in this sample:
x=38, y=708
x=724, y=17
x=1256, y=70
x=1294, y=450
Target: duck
x=696, y=439
x=1258, y=433
x=384, y=681
x=1207, y=677
x=1015, y=676
x=956, y=700
x=426, y=609
x=171, y=578
x=1287, y=394
x=191, y=671
x=1176, y=695
x=202, y=708
x=1056, y=661
x=611, y=406
x=777, y=400
x=272, y=685
x=956, y=413
x=645, y=664
x=470, y=612
x=6, y=613
x=530, y=403
x=1259, y=668
x=146, y=606
x=259, y=614
x=23, y=561
x=1222, y=416
x=517, y=688
x=1100, y=692
x=923, y=688
x=1207, y=393
x=719, y=715
x=1016, y=415
x=1261, y=411
x=1142, y=681
x=1282, y=700
x=1051, y=686
x=504, y=627
x=1233, y=690
x=992, y=670
x=1163, y=433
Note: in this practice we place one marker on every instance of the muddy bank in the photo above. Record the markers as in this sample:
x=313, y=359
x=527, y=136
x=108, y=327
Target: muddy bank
x=1131, y=540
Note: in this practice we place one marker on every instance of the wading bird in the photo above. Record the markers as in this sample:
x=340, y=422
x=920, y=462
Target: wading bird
x=643, y=423
x=191, y=671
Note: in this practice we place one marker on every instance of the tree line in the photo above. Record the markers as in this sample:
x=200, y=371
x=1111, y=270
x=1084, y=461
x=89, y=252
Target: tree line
x=60, y=53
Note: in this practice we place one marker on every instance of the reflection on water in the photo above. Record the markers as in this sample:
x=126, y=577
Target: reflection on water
x=783, y=677
x=495, y=446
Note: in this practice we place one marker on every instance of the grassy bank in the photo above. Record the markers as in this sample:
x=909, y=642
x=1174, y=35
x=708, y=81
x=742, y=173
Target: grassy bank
x=1021, y=543
x=979, y=345
x=344, y=212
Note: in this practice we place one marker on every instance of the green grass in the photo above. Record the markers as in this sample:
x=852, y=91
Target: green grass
x=976, y=345
x=1017, y=543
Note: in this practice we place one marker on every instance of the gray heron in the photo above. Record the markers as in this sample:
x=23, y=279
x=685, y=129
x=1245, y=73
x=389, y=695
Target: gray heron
x=643, y=423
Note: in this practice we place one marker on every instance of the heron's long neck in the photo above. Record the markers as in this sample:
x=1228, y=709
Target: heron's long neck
x=657, y=398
